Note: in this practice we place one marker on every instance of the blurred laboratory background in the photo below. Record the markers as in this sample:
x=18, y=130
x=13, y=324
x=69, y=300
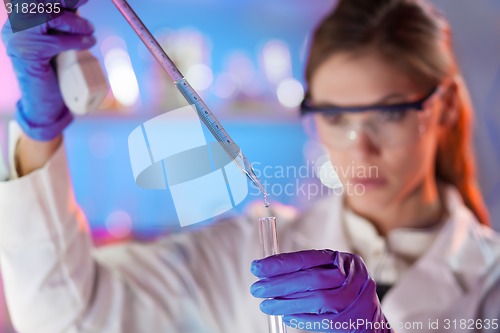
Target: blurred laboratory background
x=246, y=59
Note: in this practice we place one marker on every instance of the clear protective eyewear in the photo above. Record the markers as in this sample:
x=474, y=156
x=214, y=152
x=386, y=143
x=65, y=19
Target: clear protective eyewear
x=387, y=125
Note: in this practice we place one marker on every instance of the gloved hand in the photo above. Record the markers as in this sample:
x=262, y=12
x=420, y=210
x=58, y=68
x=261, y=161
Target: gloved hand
x=319, y=290
x=41, y=112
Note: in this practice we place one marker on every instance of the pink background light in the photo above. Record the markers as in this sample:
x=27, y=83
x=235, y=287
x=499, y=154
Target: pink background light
x=9, y=89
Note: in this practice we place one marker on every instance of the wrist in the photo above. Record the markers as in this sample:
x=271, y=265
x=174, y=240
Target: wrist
x=45, y=128
x=31, y=154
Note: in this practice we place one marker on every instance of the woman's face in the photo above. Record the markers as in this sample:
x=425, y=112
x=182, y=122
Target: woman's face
x=375, y=174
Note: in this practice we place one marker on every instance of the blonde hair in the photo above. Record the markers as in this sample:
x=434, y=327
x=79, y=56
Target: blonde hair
x=416, y=38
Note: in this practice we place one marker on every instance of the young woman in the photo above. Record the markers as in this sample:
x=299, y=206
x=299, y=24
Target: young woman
x=384, y=92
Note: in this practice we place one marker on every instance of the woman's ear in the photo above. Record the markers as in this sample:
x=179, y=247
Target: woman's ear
x=450, y=103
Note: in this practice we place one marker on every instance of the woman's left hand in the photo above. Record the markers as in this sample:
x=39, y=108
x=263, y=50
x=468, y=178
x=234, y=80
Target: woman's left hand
x=319, y=290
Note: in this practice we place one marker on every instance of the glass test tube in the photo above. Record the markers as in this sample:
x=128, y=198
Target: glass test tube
x=269, y=244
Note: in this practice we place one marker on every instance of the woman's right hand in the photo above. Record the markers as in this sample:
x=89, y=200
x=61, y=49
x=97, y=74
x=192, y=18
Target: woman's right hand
x=319, y=290
x=41, y=112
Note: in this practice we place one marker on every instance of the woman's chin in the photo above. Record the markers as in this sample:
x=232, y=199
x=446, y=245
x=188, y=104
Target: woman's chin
x=370, y=199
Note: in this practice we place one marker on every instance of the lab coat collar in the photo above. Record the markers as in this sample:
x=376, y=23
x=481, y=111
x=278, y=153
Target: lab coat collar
x=456, y=262
x=322, y=228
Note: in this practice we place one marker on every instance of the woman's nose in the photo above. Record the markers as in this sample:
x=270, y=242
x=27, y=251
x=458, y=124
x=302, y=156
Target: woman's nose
x=362, y=141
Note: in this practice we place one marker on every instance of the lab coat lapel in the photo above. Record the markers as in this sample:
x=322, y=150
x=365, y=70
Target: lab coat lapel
x=440, y=278
x=426, y=288
x=336, y=234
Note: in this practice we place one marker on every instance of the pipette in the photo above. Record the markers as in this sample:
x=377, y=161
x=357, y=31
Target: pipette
x=190, y=94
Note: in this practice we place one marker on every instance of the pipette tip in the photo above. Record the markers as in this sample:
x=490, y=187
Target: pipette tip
x=251, y=175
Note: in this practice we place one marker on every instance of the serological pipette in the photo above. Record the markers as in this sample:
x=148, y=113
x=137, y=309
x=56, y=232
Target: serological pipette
x=190, y=94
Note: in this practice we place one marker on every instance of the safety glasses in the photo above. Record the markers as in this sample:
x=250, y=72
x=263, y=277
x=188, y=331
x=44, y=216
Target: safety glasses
x=388, y=125
x=307, y=107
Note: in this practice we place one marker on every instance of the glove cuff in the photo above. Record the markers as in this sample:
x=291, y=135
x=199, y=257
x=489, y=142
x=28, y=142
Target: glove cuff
x=43, y=132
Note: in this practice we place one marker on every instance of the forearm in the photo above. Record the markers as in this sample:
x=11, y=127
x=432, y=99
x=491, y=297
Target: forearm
x=49, y=273
x=31, y=155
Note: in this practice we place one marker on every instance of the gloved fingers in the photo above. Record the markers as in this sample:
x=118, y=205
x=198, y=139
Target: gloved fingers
x=35, y=52
x=318, y=302
x=353, y=268
x=291, y=262
x=72, y=42
x=323, y=277
x=71, y=23
x=73, y=4
x=38, y=45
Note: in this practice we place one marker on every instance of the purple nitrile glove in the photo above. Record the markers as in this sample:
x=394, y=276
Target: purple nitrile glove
x=319, y=290
x=41, y=112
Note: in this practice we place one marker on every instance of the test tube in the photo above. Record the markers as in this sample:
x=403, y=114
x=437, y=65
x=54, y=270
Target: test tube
x=269, y=244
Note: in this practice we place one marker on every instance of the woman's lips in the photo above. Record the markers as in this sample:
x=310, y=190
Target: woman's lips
x=369, y=182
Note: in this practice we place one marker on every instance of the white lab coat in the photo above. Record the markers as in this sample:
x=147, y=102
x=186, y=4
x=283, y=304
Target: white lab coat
x=56, y=281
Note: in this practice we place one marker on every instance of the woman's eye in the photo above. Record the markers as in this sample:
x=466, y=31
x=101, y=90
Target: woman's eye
x=334, y=119
x=394, y=116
